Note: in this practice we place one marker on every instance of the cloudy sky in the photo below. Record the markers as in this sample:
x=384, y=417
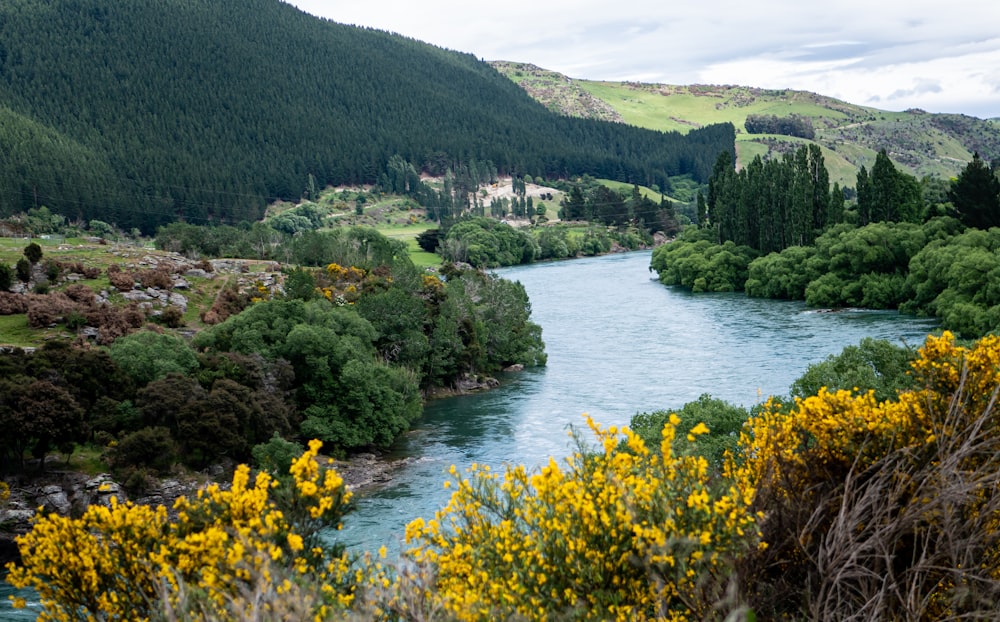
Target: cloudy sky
x=941, y=55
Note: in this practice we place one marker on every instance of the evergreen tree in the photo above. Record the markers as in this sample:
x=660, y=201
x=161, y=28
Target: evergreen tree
x=975, y=195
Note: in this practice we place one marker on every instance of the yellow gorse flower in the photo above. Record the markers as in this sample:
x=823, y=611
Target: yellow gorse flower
x=117, y=562
x=618, y=533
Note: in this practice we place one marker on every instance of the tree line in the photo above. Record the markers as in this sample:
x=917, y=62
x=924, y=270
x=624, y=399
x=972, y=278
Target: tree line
x=922, y=247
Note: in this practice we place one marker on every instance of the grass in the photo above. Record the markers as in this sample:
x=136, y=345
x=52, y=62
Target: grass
x=14, y=331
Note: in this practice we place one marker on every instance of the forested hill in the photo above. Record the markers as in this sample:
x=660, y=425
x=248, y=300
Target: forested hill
x=148, y=111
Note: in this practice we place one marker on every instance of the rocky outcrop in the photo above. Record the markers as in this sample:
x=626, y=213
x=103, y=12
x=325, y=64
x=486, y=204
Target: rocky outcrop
x=70, y=494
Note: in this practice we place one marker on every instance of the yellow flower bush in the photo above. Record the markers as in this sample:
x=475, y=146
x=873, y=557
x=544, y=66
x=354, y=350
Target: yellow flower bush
x=620, y=533
x=125, y=561
x=891, y=509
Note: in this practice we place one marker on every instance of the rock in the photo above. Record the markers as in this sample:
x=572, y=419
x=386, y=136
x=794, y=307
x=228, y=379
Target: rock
x=198, y=273
x=178, y=301
x=100, y=489
x=135, y=296
x=514, y=367
x=53, y=499
x=470, y=383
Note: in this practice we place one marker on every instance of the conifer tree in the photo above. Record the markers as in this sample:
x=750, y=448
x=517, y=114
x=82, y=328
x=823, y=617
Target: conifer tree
x=976, y=195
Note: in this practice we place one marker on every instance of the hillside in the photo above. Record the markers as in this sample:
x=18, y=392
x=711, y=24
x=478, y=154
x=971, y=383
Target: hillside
x=150, y=111
x=850, y=135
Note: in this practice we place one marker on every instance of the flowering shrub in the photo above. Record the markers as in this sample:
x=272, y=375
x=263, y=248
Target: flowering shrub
x=127, y=562
x=621, y=533
x=881, y=510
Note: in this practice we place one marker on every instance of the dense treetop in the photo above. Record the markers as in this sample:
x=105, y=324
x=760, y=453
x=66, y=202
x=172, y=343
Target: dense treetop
x=146, y=112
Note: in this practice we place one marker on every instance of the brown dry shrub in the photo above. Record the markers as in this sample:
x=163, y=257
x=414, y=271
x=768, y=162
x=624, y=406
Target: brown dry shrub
x=79, y=292
x=159, y=278
x=172, y=317
x=112, y=322
x=45, y=310
x=121, y=280
x=79, y=268
x=12, y=304
x=229, y=302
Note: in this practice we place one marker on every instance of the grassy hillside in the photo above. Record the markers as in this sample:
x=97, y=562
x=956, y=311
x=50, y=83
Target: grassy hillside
x=850, y=135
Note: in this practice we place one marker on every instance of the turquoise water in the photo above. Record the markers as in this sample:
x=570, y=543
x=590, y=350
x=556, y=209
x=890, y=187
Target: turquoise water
x=618, y=343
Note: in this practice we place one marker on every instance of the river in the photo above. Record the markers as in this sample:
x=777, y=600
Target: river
x=618, y=343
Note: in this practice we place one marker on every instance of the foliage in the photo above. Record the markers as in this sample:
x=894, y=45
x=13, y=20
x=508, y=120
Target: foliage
x=694, y=262
x=869, y=266
x=127, y=562
x=771, y=205
x=33, y=252
x=620, y=532
x=975, y=195
x=880, y=509
x=782, y=275
x=147, y=356
x=887, y=194
x=23, y=270
x=6, y=277
x=722, y=420
x=276, y=455
x=792, y=125
x=488, y=243
x=874, y=365
x=954, y=279
x=346, y=397
x=38, y=414
x=121, y=134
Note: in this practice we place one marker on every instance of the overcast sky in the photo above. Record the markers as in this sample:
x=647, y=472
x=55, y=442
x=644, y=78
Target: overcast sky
x=941, y=56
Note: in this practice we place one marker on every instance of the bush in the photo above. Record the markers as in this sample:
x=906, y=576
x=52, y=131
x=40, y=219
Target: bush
x=23, y=269
x=703, y=266
x=159, y=278
x=129, y=562
x=617, y=533
x=172, y=317
x=881, y=510
x=6, y=277
x=150, y=447
x=120, y=279
x=722, y=420
x=276, y=455
x=33, y=252
x=80, y=293
x=12, y=304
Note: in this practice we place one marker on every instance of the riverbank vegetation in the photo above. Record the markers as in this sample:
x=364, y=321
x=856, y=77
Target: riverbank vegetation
x=342, y=352
x=885, y=512
x=923, y=247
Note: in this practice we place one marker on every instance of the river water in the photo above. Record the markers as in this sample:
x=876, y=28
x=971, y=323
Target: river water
x=618, y=343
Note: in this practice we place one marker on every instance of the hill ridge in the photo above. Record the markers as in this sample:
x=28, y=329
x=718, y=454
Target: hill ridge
x=935, y=144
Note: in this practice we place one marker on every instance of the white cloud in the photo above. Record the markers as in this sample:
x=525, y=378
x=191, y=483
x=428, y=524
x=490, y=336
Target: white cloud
x=918, y=53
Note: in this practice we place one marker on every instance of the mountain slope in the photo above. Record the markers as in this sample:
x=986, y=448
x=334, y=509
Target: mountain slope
x=851, y=136
x=205, y=110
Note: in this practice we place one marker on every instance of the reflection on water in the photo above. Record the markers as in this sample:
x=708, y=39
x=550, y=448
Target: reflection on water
x=618, y=343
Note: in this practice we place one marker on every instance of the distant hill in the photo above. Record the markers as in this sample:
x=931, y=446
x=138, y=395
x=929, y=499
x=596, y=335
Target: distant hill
x=851, y=136
x=148, y=111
